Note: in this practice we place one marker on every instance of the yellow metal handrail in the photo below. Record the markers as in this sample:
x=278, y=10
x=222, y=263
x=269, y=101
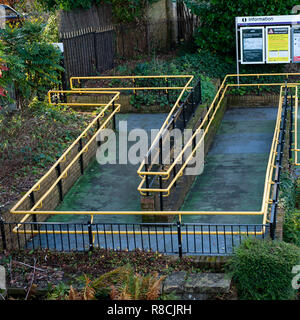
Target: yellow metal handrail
x=183, y=89
x=63, y=156
x=211, y=108
x=269, y=173
x=267, y=188
x=179, y=156
x=133, y=78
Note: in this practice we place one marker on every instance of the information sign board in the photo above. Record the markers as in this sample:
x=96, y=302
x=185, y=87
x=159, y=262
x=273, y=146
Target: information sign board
x=252, y=45
x=278, y=44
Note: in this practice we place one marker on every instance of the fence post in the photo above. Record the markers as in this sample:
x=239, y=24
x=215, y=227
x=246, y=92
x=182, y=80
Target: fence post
x=95, y=52
x=179, y=239
x=81, y=156
x=91, y=245
x=2, y=229
x=272, y=230
x=193, y=102
x=147, y=179
x=291, y=128
x=278, y=161
x=200, y=92
x=98, y=127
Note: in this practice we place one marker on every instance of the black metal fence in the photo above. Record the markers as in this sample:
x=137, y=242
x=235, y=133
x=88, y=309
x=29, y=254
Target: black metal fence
x=287, y=105
x=169, y=238
x=180, y=119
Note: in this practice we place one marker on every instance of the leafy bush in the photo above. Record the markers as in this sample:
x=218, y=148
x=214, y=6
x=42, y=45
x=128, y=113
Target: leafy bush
x=291, y=227
x=207, y=63
x=51, y=33
x=261, y=269
x=32, y=63
x=287, y=200
x=123, y=10
x=217, y=29
x=191, y=64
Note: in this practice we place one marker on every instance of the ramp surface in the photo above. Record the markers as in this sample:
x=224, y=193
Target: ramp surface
x=110, y=187
x=235, y=167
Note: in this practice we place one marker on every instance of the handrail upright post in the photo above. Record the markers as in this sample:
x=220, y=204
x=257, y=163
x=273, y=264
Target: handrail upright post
x=173, y=158
x=32, y=201
x=147, y=179
x=179, y=239
x=81, y=157
x=207, y=114
x=58, y=170
x=160, y=177
x=98, y=127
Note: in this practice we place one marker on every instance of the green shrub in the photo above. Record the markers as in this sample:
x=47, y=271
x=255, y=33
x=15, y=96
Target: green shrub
x=122, y=10
x=190, y=64
x=217, y=29
x=261, y=269
x=287, y=201
x=51, y=33
x=32, y=63
x=291, y=227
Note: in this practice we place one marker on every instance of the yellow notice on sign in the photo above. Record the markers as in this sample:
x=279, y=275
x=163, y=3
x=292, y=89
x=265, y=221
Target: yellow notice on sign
x=278, y=44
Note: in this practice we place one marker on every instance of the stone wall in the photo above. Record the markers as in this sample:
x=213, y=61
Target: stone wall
x=196, y=286
x=124, y=101
x=235, y=101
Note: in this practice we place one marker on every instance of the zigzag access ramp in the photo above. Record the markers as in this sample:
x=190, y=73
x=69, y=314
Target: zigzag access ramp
x=201, y=224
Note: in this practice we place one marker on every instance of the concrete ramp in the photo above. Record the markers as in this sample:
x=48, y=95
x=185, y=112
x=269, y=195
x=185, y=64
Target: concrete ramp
x=235, y=167
x=110, y=187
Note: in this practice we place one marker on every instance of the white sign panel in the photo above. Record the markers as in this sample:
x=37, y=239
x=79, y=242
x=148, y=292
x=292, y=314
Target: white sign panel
x=296, y=45
x=252, y=45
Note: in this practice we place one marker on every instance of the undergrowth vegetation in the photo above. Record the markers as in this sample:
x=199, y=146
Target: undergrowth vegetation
x=288, y=196
x=122, y=283
x=31, y=140
x=262, y=269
